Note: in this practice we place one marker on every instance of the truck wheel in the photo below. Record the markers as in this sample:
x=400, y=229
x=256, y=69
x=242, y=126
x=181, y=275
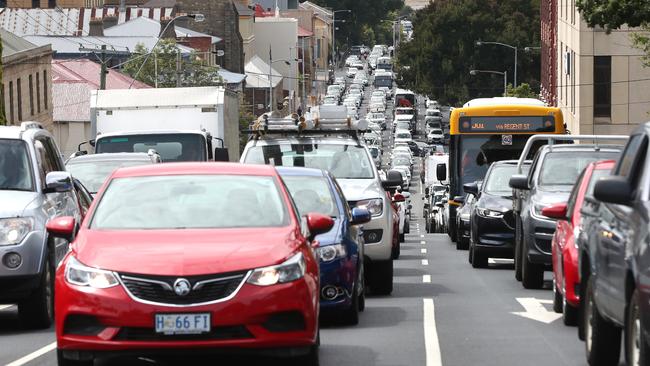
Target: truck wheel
x=532, y=274
x=518, y=241
x=62, y=361
x=602, y=339
x=37, y=311
x=382, y=283
x=636, y=345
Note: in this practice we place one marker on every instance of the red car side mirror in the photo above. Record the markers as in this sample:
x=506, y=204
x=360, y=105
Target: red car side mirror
x=318, y=224
x=62, y=227
x=556, y=211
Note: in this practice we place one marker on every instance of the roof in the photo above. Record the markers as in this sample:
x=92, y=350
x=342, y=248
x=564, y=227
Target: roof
x=324, y=14
x=70, y=21
x=231, y=77
x=147, y=98
x=72, y=82
x=195, y=169
x=580, y=147
x=302, y=32
x=12, y=44
x=479, y=102
x=243, y=9
x=131, y=156
x=308, y=172
x=71, y=45
x=150, y=27
x=159, y=4
x=257, y=74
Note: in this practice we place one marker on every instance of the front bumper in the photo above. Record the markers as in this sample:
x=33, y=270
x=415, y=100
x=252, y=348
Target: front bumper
x=31, y=250
x=540, y=234
x=378, y=235
x=340, y=274
x=494, y=237
x=91, y=322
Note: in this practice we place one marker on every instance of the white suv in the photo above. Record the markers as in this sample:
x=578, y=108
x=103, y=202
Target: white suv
x=351, y=163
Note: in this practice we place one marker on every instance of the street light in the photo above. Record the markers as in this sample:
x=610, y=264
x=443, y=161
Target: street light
x=481, y=43
x=530, y=49
x=504, y=74
x=394, y=23
x=271, y=62
x=197, y=18
x=334, y=32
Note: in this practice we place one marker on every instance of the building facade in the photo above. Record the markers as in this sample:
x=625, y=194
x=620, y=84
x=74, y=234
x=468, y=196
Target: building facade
x=26, y=81
x=601, y=81
x=54, y=3
x=549, y=52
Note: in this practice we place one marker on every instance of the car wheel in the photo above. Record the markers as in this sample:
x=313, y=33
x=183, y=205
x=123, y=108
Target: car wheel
x=407, y=225
x=479, y=260
x=532, y=274
x=362, y=295
x=62, y=361
x=310, y=359
x=37, y=311
x=382, y=283
x=351, y=315
x=396, y=251
x=602, y=339
x=569, y=312
x=470, y=254
x=557, y=298
x=402, y=237
x=637, y=352
x=518, y=241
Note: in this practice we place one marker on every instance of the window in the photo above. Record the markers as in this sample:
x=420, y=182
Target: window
x=45, y=89
x=19, y=92
x=561, y=79
x=31, y=95
x=11, y=101
x=51, y=4
x=573, y=81
x=38, y=92
x=603, y=86
x=36, y=3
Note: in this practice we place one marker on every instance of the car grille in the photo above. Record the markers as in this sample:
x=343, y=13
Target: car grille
x=149, y=334
x=204, y=289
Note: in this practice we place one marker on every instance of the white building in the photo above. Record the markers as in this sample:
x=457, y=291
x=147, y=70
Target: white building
x=602, y=85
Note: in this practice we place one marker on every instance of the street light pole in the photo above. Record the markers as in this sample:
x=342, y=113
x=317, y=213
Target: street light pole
x=516, y=49
x=334, y=33
x=504, y=74
x=270, y=80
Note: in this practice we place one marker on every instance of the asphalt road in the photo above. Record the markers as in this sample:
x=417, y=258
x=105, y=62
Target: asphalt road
x=442, y=312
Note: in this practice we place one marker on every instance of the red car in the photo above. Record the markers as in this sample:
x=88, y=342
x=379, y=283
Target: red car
x=566, y=279
x=189, y=257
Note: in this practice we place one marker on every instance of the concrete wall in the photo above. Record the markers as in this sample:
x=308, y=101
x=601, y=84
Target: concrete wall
x=17, y=69
x=247, y=31
x=630, y=80
x=281, y=34
x=69, y=135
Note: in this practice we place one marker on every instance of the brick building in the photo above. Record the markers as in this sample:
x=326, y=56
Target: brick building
x=26, y=93
x=549, y=51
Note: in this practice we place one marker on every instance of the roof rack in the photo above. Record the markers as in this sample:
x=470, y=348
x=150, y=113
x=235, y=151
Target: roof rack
x=324, y=120
x=551, y=139
x=30, y=125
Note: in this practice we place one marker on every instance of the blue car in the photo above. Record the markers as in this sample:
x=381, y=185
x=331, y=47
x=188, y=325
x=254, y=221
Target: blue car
x=340, y=251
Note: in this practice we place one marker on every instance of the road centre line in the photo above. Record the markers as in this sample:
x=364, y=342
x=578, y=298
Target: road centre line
x=431, y=343
x=423, y=242
x=423, y=251
x=34, y=355
x=421, y=236
x=425, y=262
x=426, y=278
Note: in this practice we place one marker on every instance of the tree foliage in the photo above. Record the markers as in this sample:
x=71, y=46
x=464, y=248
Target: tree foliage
x=161, y=66
x=365, y=14
x=522, y=90
x=612, y=14
x=438, y=59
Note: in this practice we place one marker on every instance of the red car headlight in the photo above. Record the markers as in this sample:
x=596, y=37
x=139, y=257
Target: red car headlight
x=79, y=274
x=292, y=269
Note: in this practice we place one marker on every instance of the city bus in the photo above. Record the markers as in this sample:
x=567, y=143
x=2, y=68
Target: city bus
x=492, y=129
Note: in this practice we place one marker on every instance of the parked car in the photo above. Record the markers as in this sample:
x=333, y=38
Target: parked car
x=340, y=250
x=492, y=221
x=564, y=249
x=92, y=170
x=197, y=279
x=552, y=175
x=615, y=260
x=34, y=188
x=435, y=136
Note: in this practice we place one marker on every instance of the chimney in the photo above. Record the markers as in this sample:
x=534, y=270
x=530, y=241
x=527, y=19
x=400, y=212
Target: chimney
x=170, y=32
x=96, y=27
x=109, y=21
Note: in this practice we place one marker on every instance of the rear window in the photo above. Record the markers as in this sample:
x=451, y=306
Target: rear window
x=312, y=194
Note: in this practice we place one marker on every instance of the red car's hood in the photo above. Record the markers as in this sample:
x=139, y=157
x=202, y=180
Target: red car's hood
x=185, y=252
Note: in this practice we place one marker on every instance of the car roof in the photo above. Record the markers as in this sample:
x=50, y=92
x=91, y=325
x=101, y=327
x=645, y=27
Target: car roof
x=327, y=140
x=133, y=156
x=195, y=169
x=299, y=171
x=581, y=147
x=604, y=164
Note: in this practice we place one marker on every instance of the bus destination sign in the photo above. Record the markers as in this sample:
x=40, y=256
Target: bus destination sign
x=507, y=124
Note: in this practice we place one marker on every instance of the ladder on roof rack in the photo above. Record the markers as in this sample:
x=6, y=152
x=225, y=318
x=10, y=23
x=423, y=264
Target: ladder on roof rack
x=551, y=139
x=30, y=125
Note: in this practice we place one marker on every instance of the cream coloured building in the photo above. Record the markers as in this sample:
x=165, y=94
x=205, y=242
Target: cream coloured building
x=602, y=84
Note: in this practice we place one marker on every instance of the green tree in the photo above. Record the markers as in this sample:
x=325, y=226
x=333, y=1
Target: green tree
x=438, y=59
x=161, y=67
x=612, y=14
x=522, y=91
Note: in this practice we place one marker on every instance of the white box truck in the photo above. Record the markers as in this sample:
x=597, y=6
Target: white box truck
x=181, y=124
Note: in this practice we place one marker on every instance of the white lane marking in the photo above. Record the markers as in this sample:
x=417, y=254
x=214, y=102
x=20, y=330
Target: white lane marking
x=423, y=242
x=431, y=343
x=535, y=310
x=2, y=307
x=500, y=261
x=423, y=251
x=421, y=236
x=34, y=355
x=426, y=278
x=425, y=262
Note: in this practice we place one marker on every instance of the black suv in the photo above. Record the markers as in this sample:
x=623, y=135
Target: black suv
x=615, y=261
x=554, y=171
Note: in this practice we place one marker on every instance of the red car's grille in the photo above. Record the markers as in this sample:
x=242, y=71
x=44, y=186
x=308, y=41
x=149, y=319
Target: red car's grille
x=149, y=334
x=202, y=289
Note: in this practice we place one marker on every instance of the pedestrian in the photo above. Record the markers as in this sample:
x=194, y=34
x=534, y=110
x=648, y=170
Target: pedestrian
x=299, y=111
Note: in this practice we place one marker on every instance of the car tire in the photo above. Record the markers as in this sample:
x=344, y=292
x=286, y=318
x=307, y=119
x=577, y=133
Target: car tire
x=479, y=260
x=62, y=361
x=569, y=312
x=382, y=283
x=37, y=310
x=396, y=251
x=532, y=274
x=637, y=351
x=402, y=237
x=557, y=298
x=407, y=225
x=351, y=315
x=518, y=241
x=602, y=339
x=362, y=297
x=470, y=254
x=452, y=233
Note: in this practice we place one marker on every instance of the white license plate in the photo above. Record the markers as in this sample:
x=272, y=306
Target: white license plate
x=183, y=323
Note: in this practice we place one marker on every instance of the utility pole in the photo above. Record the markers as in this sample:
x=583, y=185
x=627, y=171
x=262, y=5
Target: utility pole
x=104, y=71
x=270, y=80
x=103, y=52
x=179, y=71
x=303, y=103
